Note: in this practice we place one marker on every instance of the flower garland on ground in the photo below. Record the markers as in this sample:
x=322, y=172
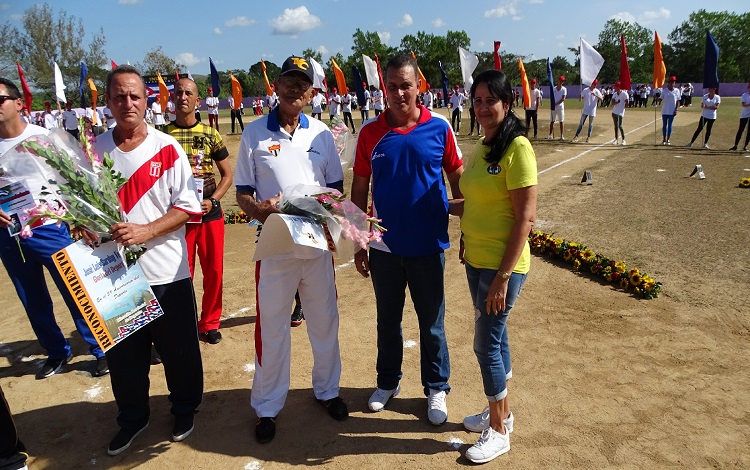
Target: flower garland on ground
x=745, y=182
x=235, y=217
x=582, y=259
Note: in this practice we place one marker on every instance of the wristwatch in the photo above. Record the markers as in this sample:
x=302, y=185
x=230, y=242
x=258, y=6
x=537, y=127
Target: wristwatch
x=214, y=202
x=504, y=276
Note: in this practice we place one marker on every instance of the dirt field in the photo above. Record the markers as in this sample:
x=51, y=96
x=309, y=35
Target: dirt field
x=601, y=379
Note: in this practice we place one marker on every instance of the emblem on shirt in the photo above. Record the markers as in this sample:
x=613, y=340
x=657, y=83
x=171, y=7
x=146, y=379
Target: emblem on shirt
x=155, y=169
x=493, y=169
x=312, y=150
x=274, y=149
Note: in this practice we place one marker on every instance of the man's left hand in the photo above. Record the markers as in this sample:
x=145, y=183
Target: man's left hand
x=129, y=234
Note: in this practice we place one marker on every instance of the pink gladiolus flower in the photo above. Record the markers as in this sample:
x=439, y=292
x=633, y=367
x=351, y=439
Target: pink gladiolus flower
x=26, y=232
x=336, y=205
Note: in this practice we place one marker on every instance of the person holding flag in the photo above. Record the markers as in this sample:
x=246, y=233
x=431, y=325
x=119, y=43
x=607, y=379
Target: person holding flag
x=670, y=96
x=457, y=103
x=557, y=113
x=70, y=120
x=619, y=100
x=591, y=97
x=205, y=149
x=535, y=102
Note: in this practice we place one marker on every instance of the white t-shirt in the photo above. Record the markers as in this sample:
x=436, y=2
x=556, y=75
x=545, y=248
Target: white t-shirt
x=745, y=113
x=533, y=96
x=669, y=100
x=212, y=101
x=710, y=113
x=317, y=103
x=171, y=111
x=366, y=105
x=619, y=101
x=158, y=116
x=272, y=100
x=333, y=106
x=70, y=119
x=590, y=100
x=230, y=102
x=457, y=100
x=50, y=120
x=560, y=94
x=346, y=103
x=377, y=100
x=148, y=195
x=427, y=99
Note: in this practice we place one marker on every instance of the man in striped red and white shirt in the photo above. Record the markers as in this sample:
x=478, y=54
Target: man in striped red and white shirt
x=158, y=200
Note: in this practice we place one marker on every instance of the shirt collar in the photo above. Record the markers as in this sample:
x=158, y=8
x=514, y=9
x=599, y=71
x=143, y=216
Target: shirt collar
x=273, y=121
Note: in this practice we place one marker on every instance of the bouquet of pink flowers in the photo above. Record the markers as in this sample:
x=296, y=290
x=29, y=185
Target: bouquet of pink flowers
x=350, y=228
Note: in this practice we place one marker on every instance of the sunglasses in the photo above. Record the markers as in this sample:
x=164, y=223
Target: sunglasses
x=4, y=98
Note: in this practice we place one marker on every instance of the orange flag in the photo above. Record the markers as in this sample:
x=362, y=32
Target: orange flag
x=269, y=91
x=524, y=84
x=236, y=91
x=422, y=80
x=660, y=70
x=163, y=93
x=93, y=99
x=340, y=79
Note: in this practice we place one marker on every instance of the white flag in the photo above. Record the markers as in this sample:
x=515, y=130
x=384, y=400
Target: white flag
x=371, y=70
x=59, y=85
x=318, y=75
x=189, y=75
x=591, y=63
x=469, y=63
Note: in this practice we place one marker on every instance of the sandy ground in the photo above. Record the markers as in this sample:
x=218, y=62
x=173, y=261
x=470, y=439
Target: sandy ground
x=601, y=379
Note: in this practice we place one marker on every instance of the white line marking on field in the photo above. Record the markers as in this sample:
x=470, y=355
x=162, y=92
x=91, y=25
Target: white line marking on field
x=678, y=156
x=351, y=261
x=455, y=442
x=409, y=343
x=254, y=465
x=93, y=392
x=660, y=170
x=565, y=176
x=249, y=368
x=238, y=312
x=541, y=172
x=747, y=169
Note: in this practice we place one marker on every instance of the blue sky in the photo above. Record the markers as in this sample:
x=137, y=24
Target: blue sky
x=237, y=33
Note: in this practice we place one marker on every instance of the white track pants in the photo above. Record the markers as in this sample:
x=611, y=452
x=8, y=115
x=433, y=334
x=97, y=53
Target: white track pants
x=276, y=281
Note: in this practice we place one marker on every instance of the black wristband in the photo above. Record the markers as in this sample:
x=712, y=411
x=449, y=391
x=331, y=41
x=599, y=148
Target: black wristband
x=214, y=202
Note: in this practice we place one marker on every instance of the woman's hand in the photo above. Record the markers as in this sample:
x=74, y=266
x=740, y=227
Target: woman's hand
x=495, y=301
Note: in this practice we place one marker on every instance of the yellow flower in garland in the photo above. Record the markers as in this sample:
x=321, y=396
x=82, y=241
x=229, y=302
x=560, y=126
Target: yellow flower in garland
x=568, y=255
x=608, y=277
x=573, y=245
x=624, y=283
x=587, y=254
x=745, y=182
x=608, y=269
x=649, y=286
x=620, y=267
x=635, y=277
x=576, y=265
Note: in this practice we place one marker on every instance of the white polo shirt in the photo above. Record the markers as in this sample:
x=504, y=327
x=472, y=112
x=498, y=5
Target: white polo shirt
x=745, y=109
x=715, y=101
x=270, y=159
x=669, y=100
x=619, y=107
x=317, y=103
x=377, y=100
x=559, y=94
x=70, y=119
x=590, y=100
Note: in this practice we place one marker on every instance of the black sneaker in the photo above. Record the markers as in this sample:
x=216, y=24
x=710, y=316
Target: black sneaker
x=211, y=336
x=102, y=368
x=297, y=315
x=52, y=367
x=155, y=357
x=265, y=430
x=183, y=426
x=336, y=408
x=123, y=439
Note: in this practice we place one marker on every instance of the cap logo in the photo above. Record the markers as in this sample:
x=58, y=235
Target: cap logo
x=300, y=62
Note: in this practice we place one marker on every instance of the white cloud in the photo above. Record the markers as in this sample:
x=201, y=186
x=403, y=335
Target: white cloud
x=294, y=21
x=239, y=21
x=4, y=6
x=438, y=23
x=218, y=31
x=652, y=16
x=508, y=8
x=384, y=36
x=517, y=18
x=129, y=2
x=623, y=16
x=16, y=17
x=188, y=58
x=536, y=1
x=406, y=21
x=322, y=49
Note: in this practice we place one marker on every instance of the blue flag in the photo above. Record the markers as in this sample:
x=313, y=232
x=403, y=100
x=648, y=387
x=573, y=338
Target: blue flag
x=711, y=64
x=551, y=86
x=214, y=78
x=445, y=84
x=81, y=81
x=359, y=88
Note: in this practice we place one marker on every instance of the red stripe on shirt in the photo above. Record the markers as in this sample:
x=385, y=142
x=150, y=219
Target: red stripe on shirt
x=141, y=181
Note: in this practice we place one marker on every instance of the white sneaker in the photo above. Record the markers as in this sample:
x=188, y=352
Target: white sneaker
x=614, y=142
x=549, y=137
x=481, y=421
x=575, y=139
x=705, y=146
x=380, y=397
x=623, y=142
x=491, y=444
x=437, y=410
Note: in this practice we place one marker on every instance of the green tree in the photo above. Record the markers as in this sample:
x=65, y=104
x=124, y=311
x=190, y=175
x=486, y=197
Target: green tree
x=156, y=60
x=45, y=37
x=686, y=55
x=640, y=46
x=431, y=50
x=311, y=54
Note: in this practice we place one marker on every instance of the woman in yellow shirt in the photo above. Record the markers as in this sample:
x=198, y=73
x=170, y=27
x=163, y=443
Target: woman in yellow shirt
x=497, y=213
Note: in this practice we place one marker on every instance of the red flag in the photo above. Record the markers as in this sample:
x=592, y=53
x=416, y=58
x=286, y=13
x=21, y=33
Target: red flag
x=498, y=64
x=112, y=62
x=27, y=98
x=176, y=76
x=624, y=66
x=382, y=82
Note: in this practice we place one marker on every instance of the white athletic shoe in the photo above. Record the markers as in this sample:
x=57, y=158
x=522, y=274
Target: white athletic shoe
x=437, y=410
x=705, y=146
x=481, y=421
x=549, y=137
x=575, y=139
x=614, y=142
x=623, y=142
x=380, y=397
x=491, y=444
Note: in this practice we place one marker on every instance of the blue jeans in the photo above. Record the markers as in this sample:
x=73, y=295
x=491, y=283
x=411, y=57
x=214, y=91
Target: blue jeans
x=583, y=120
x=27, y=274
x=490, y=334
x=424, y=275
x=666, y=125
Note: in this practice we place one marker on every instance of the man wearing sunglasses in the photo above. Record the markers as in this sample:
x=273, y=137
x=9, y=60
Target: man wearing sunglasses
x=24, y=258
x=284, y=148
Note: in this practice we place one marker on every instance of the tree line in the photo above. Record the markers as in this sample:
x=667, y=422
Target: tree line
x=46, y=36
